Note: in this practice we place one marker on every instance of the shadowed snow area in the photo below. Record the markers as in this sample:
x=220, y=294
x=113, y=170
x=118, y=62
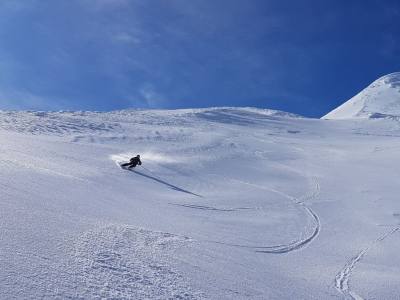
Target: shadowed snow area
x=229, y=203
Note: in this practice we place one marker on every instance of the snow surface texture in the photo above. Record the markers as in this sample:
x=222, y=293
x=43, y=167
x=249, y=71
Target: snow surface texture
x=380, y=99
x=230, y=203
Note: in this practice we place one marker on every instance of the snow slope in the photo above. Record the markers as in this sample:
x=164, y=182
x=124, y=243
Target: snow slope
x=230, y=203
x=380, y=99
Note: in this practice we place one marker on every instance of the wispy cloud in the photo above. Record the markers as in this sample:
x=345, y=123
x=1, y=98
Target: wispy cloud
x=152, y=98
x=125, y=37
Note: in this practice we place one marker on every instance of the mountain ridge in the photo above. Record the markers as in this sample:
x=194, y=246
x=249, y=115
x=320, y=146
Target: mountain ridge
x=380, y=98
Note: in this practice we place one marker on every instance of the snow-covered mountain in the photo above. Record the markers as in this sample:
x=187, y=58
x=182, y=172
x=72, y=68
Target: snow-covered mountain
x=380, y=99
x=230, y=203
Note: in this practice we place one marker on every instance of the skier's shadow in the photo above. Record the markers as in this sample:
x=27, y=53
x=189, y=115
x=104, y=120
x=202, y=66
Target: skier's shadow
x=174, y=187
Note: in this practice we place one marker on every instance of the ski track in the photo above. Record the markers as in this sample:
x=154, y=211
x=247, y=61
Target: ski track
x=343, y=277
x=295, y=245
x=203, y=207
x=276, y=249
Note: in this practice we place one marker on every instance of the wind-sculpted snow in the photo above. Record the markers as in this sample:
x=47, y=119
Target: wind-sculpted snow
x=54, y=123
x=229, y=203
x=119, y=262
x=68, y=123
x=393, y=80
x=241, y=117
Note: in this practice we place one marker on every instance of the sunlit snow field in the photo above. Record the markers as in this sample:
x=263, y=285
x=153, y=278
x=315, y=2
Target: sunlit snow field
x=230, y=203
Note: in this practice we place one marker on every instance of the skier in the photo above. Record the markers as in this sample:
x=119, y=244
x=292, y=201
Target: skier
x=133, y=162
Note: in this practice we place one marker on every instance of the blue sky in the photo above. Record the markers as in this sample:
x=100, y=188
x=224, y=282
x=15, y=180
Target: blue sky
x=305, y=57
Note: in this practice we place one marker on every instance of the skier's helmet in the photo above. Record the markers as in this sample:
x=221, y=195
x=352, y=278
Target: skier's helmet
x=138, y=156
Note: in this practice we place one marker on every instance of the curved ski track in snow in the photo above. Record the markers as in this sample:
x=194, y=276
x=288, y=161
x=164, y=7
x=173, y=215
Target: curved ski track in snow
x=295, y=245
x=280, y=249
x=343, y=277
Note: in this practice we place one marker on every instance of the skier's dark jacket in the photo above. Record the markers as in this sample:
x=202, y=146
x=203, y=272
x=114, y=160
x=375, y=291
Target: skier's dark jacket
x=134, y=161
